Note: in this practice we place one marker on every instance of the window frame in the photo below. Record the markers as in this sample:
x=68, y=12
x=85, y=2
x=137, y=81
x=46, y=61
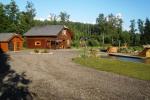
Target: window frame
x=37, y=43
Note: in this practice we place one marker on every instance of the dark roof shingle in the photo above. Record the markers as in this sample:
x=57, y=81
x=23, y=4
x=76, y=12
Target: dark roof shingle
x=48, y=30
x=6, y=36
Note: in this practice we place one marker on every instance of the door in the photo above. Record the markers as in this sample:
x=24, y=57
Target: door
x=17, y=46
x=53, y=45
x=11, y=46
x=48, y=44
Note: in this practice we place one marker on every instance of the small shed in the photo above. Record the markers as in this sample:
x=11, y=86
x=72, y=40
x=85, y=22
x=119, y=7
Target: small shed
x=10, y=42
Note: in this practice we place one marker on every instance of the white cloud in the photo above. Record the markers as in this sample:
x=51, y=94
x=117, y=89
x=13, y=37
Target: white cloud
x=119, y=15
x=38, y=18
x=42, y=18
x=86, y=22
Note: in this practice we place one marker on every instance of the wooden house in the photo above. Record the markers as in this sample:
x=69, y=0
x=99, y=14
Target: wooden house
x=49, y=36
x=10, y=42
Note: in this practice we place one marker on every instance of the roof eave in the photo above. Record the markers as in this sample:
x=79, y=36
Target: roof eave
x=39, y=35
x=3, y=41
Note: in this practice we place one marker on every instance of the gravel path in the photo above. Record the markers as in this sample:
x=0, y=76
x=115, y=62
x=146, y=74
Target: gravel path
x=56, y=77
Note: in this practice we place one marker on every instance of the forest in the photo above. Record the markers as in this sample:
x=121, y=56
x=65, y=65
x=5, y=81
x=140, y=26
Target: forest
x=108, y=29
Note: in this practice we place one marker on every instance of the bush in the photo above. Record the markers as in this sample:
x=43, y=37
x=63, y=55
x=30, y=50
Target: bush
x=45, y=51
x=75, y=43
x=123, y=50
x=93, y=52
x=93, y=43
x=36, y=51
x=136, y=48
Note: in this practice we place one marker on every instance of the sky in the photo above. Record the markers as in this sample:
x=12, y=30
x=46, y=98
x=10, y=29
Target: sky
x=88, y=10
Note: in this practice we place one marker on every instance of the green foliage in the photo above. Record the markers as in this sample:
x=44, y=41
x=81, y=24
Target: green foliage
x=125, y=37
x=146, y=35
x=93, y=42
x=141, y=30
x=136, y=48
x=12, y=11
x=124, y=50
x=84, y=52
x=107, y=30
x=45, y=51
x=64, y=17
x=36, y=51
x=14, y=20
x=3, y=18
x=132, y=32
x=93, y=52
x=24, y=44
x=76, y=43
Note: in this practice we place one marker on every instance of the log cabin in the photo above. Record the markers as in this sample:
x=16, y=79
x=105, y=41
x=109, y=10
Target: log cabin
x=10, y=42
x=49, y=37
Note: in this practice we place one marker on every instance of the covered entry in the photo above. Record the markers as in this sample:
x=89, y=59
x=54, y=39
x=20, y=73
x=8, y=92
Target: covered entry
x=56, y=44
x=14, y=46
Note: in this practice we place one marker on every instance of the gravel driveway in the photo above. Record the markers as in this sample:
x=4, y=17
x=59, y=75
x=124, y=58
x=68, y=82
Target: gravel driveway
x=56, y=77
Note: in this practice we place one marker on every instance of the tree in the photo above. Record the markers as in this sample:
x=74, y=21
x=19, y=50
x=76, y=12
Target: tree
x=147, y=32
x=53, y=18
x=3, y=18
x=12, y=13
x=141, y=30
x=101, y=23
x=115, y=27
x=125, y=37
x=119, y=22
x=132, y=32
x=64, y=17
x=30, y=13
x=23, y=22
x=26, y=18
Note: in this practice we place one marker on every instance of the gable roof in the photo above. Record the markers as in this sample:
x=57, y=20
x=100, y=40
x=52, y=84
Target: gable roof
x=6, y=36
x=48, y=30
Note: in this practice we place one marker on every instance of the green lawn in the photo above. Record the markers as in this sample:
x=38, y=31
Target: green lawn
x=131, y=69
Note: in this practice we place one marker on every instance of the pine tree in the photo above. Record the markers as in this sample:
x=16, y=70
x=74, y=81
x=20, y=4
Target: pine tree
x=141, y=30
x=147, y=32
x=132, y=32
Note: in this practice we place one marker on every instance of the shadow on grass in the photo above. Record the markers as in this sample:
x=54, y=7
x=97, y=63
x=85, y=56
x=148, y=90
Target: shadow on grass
x=13, y=86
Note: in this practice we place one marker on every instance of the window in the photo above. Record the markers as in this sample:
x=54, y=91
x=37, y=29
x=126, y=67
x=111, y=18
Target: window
x=37, y=43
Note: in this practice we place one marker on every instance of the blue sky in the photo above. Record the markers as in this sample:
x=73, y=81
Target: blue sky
x=88, y=10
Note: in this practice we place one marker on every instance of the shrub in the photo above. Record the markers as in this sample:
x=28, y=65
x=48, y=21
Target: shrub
x=136, y=48
x=123, y=50
x=93, y=43
x=75, y=43
x=93, y=52
x=36, y=50
x=45, y=51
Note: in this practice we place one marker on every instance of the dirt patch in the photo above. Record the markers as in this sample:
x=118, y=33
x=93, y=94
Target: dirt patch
x=56, y=77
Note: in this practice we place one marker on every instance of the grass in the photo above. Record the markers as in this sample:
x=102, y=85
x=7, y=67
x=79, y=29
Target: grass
x=130, y=69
